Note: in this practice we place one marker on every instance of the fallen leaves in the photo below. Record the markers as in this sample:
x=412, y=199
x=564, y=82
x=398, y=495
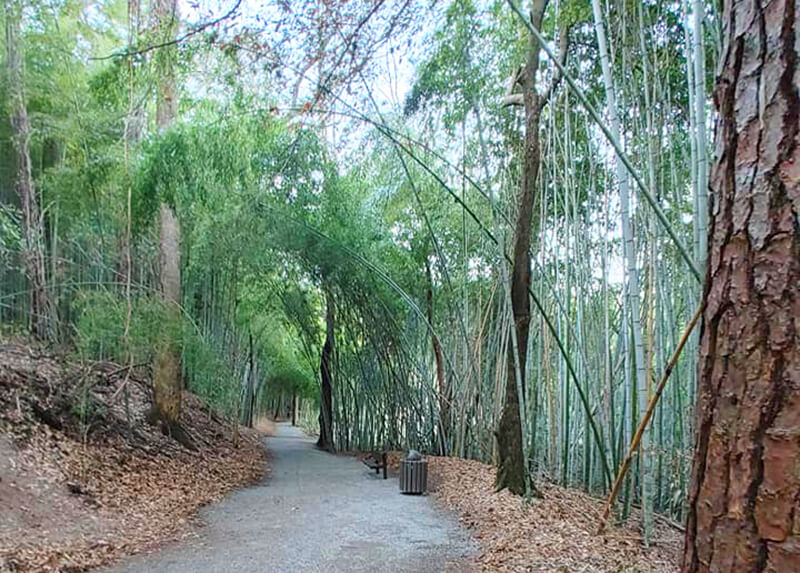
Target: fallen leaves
x=553, y=534
x=85, y=480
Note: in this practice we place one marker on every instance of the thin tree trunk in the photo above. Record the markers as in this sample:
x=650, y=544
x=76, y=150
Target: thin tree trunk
x=42, y=318
x=743, y=504
x=700, y=133
x=133, y=130
x=444, y=414
x=325, y=440
x=511, y=470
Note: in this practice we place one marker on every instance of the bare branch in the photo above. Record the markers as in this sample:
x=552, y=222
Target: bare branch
x=563, y=46
x=513, y=99
x=194, y=31
x=510, y=97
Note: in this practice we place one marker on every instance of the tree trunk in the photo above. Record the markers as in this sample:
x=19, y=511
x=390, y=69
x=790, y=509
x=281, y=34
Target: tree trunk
x=249, y=384
x=325, y=441
x=511, y=467
x=41, y=309
x=700, y=134
x=134, y=120
x=444, y=414
x=743, y=501
x=167, y=383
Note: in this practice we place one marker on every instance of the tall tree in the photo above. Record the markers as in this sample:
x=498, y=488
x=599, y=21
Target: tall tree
x=325, y=440
x=441, y=381
x=700, y=133
x=743, y=502
x=511, y=468
x=167, y=373
x=41, y=309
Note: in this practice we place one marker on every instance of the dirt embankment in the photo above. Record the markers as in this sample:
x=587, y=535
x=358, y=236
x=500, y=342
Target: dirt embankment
x=84, y=479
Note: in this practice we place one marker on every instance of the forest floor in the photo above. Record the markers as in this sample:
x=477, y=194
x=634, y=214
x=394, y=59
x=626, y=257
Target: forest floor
x=553, y=534
x=84, y=480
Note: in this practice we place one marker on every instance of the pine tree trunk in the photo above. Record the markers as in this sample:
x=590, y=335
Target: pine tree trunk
x=325, y=441
x=743, y=501
x=167, y=384
x=41, y=309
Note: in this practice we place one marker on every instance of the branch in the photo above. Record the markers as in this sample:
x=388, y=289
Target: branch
x=563, y=46
x=513, y=99
x=510, y=97
x=178, y=40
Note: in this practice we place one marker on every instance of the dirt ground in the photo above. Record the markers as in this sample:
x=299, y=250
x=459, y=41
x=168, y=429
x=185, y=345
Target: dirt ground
x=554, y=534
x=84, y=479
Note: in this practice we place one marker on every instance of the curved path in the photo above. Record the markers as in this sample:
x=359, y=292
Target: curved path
x=317, y=512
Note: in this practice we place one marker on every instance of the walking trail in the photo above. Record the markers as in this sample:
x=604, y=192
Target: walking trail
x=316, y=512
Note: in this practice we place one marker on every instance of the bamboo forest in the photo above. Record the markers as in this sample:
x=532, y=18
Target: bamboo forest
x=537, y=260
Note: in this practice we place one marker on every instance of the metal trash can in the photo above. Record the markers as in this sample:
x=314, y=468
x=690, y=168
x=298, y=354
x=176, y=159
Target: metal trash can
x=413, y=474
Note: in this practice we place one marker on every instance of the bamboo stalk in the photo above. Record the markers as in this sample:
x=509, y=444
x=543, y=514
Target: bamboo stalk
x=646, y=419
x=614, y=141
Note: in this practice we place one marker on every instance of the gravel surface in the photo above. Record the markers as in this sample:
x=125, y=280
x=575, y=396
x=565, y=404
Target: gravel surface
x=317, y=512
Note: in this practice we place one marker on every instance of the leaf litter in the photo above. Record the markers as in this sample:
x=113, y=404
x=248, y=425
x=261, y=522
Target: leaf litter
x=85, y=480
x=553, y=534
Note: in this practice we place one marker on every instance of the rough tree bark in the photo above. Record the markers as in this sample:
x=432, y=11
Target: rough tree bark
x=511, y=470
x=744, y=506
x=167, y=371
x=41, y=308
x=325, y=441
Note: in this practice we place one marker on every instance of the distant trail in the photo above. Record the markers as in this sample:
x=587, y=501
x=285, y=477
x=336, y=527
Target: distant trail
x=317, y=512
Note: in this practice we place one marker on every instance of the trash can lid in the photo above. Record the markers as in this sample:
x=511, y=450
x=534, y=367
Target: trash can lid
x=413, y=455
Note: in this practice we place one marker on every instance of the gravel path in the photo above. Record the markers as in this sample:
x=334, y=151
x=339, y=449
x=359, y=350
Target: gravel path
x=317, y=512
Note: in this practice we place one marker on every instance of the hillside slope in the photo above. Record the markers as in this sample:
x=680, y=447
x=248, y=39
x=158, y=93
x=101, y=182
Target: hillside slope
x=84, y=479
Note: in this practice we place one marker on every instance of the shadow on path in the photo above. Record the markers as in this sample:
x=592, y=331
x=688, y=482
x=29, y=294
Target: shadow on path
x=316, y=512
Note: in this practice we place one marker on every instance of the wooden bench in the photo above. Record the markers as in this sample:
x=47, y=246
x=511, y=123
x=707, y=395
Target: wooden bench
x=376, y=461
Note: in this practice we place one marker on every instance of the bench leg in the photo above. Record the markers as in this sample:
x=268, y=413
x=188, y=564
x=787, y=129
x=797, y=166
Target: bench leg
x=383, y=459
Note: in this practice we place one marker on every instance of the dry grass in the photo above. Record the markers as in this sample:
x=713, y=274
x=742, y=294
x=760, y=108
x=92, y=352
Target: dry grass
x=555, y=534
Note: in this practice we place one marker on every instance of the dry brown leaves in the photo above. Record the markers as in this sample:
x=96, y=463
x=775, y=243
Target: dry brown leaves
x=554, y=534
x=85, y=480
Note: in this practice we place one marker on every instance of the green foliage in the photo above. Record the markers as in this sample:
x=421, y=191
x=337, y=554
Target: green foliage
x=276, y=222
x=457, y=74
x=10, y=237
x=100, y=326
